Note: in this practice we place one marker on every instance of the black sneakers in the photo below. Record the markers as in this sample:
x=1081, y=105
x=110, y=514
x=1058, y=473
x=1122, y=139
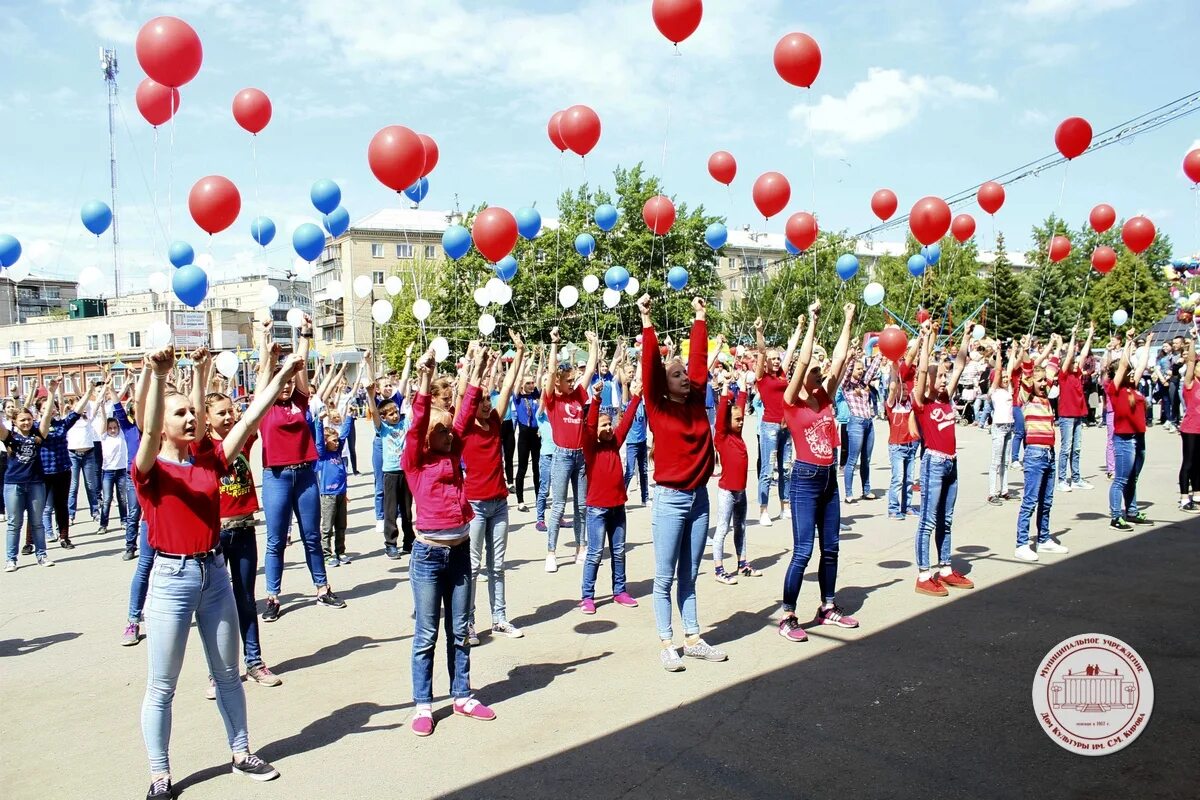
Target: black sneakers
x=66, y=544
x=330, y=600
x=1119, y=524
x=255, y=768
x=271, y=612
x=391, y=551
x=161, y=789
x=27, y=550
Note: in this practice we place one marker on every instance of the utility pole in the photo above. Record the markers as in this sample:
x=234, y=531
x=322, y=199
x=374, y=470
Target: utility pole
x=108, y=64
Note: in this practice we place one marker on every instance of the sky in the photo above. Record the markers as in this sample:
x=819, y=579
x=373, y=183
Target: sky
x=921, y=97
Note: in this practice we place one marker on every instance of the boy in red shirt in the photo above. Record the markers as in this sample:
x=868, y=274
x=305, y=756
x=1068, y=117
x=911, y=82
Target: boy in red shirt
x=731, y=490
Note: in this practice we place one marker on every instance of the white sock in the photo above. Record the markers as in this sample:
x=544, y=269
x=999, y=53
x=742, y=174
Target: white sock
x=923, y=575
x=944, y=570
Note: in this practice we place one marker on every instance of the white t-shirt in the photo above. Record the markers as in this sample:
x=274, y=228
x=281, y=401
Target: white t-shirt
x=81, y=436
x=1002, y=406
x=116, y=452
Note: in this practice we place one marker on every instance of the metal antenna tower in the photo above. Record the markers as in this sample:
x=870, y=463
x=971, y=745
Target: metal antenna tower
x=108, y=64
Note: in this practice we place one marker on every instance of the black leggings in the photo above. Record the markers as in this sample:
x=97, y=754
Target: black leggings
x=508, y=438
x=58, y=485
x=528, y=445
x=1189, y=469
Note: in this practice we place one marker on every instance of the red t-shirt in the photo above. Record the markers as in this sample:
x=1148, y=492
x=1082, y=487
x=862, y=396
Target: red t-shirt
x=566, y=416
x=605, y=471
x=770, y=391
x=182, y=502
x=238, y=497
x=814, y=431
x=735, y=461
x=1070, y=394
x=484, y=460
x=937, y=426
x=1127, y=418
x=899, y=430
x=286, y=436
x=684, y=457
x=1191, y=416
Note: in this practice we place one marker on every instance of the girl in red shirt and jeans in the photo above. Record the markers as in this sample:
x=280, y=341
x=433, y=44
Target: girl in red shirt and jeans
x=1129, y=436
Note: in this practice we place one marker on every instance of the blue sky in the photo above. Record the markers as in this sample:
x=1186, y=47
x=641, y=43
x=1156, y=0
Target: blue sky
x=921, y=97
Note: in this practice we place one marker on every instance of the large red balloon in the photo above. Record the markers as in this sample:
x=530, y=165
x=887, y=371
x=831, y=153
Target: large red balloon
x=430, y=148
x=1102, y=217
x=156, y=102
x=1103, y=258
x=554, y=133
x=722, y=166
x=252, y=109
x=990, y=197
x=963, y=227
x=929, y=219
x=1191, y=165
x=397, y=157
x=893, y=343
x=580, y=129
x=798, y=59
x=801, y=230
x=884, y=203
x=771, y=193
x=1060, y=248
x=494, y=233
x=214, y=203
x=659, y=214
x=1137, y=233
x=677, y=19
x=169, y=51
x=1073, y=136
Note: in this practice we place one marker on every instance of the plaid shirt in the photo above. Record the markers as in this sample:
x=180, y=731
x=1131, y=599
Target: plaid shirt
x=55, y=456
x=858, y=393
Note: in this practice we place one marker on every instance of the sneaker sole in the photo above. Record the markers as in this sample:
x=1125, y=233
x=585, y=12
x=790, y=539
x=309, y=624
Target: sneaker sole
x=932, y=593
x=422, y=734
x=458, y=713
x=269, y=776
x=789, y=638
x=674, y=667
x=128, y=642
x=958, y=586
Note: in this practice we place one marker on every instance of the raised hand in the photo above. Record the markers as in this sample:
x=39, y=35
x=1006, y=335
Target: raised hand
x=758, y=324
x=814, y=308
x=554, y=335
x=515, y=335
x=643, y=304
x=162, y=360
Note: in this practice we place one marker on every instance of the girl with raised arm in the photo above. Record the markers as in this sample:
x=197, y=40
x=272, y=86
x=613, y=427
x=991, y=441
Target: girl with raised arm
x=1129, y=435
x=1189, y=431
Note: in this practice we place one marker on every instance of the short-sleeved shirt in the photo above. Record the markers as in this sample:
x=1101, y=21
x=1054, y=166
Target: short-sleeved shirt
x=1129, y=409
x=1070, y=394
x=566, y=417
x=24, y=461
x=770, y=391
x=393, y=444
x=936, y=420
x=484, y=459
x=238, y=495
x=1191, y=416
x=287, y=436
x=814, y=431
x=182, y=502
x=899, y=429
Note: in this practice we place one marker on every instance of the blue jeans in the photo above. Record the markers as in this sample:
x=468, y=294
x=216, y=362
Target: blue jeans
x=774, y=452
x=1070, y=437
x=118, y=478
x=983, y=408
x=1039, y=493
x=21, y=500
x=141, y=575
x=678, y=528
x=939, y=488
x=603, y=522
x=731, y=513
x=815, y=507
x=545, y=467
x=89, y=464
x=439, y=577
x=1129, y=450
x=489, y=532
x=861, y=433
x=635, y=457
x=904, y=459
x=1018, y=432
x=567, y=469
x=133, y=516
x=377, y=468
x=182, y=590
x=286, y=492
x=241, y=554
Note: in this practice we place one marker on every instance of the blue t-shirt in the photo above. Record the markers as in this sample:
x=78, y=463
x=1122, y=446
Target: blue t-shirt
x=637, y=431
x=331, y=468
x=393, y=443
x=24, y=463
x=606, y=392
x=546, y=434
x=525, y=407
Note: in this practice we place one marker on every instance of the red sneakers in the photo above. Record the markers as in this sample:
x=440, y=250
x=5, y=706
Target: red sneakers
x=932, y=586
x=956, y=580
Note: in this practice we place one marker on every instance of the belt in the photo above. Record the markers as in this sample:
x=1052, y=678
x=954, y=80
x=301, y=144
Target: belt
x=938, y=454
x=216, y=551
x=301, y=465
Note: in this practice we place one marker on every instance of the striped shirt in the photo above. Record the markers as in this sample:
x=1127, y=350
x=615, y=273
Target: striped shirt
x=1039, y=422
x=858, y=393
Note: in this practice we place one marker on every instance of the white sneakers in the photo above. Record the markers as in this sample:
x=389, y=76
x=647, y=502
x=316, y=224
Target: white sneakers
x=1026, y=553
x=1051, y=547
x=551, y=563
x=765, y=520
x=1082, y=484
x=522, y=507
x=379, y=526
x=1065, y=487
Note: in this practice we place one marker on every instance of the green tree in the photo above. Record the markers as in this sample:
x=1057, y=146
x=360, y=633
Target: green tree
x=1007, y=311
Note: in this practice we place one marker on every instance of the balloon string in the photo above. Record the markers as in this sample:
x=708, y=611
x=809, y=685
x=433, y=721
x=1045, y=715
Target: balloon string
x=1049, y=245
x=558, y=240
x=171, y=173
x=154, y=189
x=662, y=170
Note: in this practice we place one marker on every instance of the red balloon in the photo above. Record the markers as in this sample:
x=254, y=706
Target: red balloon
x=1191, y=165
x=722, y=166
x=1073, y=136
x=659, y=214
x=252, y=109
x=1137, y=233
x=214, y=203
x=1102, y=217
x=771, y=193
x=801, y=230
x=169, y=51
x=397, y=157
x=922, y=315
x=1060, y=248
x=580, y=129
x=963, y=227
x=156, y=102
x=494, y=233
x=884, y=203
x=429, y=146
x=1103, y=258
x=798, y=59
x=929, y=219
x=893, y=343
x=554, y=133
x=677, y=19
x=990, y=197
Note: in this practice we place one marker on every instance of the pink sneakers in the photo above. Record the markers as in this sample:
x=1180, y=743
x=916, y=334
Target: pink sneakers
x=474, y=709
x=422, y=723
x=587, y=605
x=625, y=599
x=789, y=628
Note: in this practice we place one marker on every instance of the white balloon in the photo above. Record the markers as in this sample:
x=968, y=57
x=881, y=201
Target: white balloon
x=90, y=280
x=978, y=332
x=568, y=296
x=204, y=261
x=381, y=311
x=590, y=283
x=495, y=289
x=487, y=324
x=335, y=290
x=269, y=295
x=421, y=310
x=302, y=268
x=611, y=298
x=159, y=334
x=632, y=287
x=503, y=294
x=226, y=363
x=362, y=286
x=441, y=348
x=157, y=280
x=295, y=317
x=482, y=297
x=740, y=351
x=18, y=272
x=393, y=284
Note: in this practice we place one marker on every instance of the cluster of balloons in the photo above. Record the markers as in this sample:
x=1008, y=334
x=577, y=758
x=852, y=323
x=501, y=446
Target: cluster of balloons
x=400, y=157
x=576, y=128
x=494, y=291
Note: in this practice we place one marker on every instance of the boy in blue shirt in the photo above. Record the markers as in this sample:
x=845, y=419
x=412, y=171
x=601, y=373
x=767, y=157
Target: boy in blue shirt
x=331, y=477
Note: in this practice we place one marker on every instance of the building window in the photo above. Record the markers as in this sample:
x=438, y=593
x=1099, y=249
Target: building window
x=377, y=277
x=94, y=378
x=376, y=250
x=52, y=346
x=541, y=257
x=68, y=343
x=135, y=338
x=430, y=251
x=28, y=347
x=14, y=350
x=329, y=253
x=52, y=293
x=404, y=250
x=93, y=343
x=110, y=341
x=27, y=384
x=12, y=386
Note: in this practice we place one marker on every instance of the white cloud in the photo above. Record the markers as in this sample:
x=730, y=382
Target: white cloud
x=1063, y=8
x=1034, y=118
x=885, y=102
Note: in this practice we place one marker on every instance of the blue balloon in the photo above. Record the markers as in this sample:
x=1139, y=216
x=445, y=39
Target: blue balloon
x=716, y=235
x=326, y=195
x=677, y=277
x=96, y=216
x=10, y=250
x=181, y=254
x=190, y=285
x=932, y=253
x=791, y=248
x=529, y=222
x=506, y=268
x=418, y=190
x=917, y=264
x=456, y=241
x=847, y=266
x=585, y=244
x=606, y=217
x=262, y=230
x=337, y=221
x=616, y=278
x=309, y=241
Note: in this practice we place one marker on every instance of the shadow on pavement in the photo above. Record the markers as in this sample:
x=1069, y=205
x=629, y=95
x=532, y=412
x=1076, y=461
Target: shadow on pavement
x=22, y=647
x=332, y=652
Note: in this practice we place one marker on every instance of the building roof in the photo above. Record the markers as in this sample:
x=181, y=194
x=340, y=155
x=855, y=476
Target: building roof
x=404, y=219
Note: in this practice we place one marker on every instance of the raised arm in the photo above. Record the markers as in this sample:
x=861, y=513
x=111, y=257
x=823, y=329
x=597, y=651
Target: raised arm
x=47, y=409
x=161, y=361
x=716, y=353
x=698, y=347
x=924, y=345
x=589, y=371
x=960, y=361
x=1189, y=361
x=1145, y=360
x=305, y=337
x=368, y=374
x=1123, y=365
x=552, y=362
x=796, y=384
x=839, y=351
x=653, y=376
x=236, y=440
x=514, y=374
x=402, y=388
x=760, y=343
x=627, y=419
x=201, y=372
x=793, y=342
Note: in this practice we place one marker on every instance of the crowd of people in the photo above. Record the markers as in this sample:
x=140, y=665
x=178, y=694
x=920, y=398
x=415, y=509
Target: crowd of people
x=175, y=446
